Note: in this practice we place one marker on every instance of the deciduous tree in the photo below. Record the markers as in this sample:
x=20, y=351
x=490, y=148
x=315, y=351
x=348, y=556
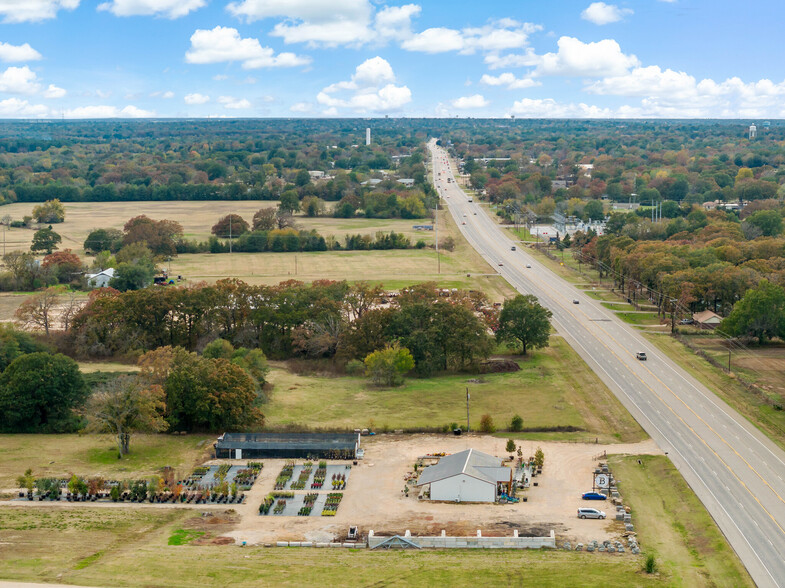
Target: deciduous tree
x=38, y=393
x=523, y=322
x=125, y=406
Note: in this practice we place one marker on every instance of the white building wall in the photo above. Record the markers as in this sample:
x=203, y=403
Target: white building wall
x=463, y=488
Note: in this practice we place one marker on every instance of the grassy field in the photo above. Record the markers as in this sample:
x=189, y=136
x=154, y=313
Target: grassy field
x=119, y=547
x=673, y=525
x=554, y=388
x=197, y=218
x=93, y=455
x=462, y=268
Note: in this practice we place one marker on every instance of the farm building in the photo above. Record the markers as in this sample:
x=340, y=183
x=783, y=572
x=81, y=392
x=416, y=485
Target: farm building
x=467, y=476
x=287, y=445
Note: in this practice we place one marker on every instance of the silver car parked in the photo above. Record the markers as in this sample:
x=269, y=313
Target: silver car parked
x=590, y=513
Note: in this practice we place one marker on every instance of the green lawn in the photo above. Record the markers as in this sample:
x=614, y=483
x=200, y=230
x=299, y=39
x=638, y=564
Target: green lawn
x=673, y=525
x=639, y=318
x=554, y=388
x=93, y=455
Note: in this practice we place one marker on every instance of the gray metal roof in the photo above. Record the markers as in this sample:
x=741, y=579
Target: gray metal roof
x=470, y=462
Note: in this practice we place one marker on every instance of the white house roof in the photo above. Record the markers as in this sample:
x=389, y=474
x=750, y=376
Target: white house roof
x=476, y=464
x=107, y=272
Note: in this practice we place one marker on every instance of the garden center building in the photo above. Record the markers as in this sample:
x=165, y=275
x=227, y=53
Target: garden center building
x=467, y=476
x=287, y=445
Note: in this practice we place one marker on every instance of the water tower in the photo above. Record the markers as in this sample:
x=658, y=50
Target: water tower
x=753, y=131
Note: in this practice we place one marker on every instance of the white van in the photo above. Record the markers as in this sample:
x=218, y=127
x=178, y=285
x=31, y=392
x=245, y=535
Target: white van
x=590, y=513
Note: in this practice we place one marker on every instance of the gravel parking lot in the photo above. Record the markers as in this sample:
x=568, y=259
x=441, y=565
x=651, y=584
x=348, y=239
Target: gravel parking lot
x=374, y=499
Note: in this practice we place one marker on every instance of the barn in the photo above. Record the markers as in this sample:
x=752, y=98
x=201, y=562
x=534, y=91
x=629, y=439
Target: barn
x=288, y=446
x=467, y=476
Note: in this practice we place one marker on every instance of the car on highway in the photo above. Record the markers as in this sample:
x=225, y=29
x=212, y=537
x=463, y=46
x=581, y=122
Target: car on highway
x=528, y=265
x=500, y=263
x=590, y=513
x=464, y=215
x=576, y=301
x=512, y=248
x=463, y=223
x=593, y=496
x=641, y=355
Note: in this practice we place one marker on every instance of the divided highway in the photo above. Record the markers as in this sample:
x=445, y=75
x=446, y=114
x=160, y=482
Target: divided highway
x=735, y=470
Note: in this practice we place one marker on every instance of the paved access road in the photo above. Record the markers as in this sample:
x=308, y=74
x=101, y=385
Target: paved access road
x=735, y=470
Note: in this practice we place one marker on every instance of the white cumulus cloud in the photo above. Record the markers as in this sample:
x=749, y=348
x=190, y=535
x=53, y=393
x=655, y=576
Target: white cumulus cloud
x=19, y=80
x=223, y=44
x=167, y=8
x=104, y=111
x=509, y=80
x=15, y=53
x=549, y=108
x=475, y=101
x=576, y=58
x=301, y=107
x=17, y=108
x=601, y=14
x=33, y=10
x=54, y=92
x=311, y=21
x=234, y=103
x=499, y=35
x=371, y=89
x=196, y=98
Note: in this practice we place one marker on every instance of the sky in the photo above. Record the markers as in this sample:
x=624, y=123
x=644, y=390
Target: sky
x=373, y=58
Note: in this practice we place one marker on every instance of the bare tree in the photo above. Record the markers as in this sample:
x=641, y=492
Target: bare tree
x=37, y=312
x=70, y=309
x=125, y=406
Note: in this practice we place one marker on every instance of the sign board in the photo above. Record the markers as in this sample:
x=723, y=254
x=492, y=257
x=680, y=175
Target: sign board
x=602, y=480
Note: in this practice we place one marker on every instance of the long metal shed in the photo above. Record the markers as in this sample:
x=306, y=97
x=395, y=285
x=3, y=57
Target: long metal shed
x=287, y=445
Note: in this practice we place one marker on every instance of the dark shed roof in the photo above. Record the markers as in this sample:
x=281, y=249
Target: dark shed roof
x=281, y=441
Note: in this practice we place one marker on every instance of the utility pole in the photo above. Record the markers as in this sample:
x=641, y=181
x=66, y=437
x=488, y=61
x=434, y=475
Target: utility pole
x=230, y=233
x=467, y=409
x=436, y=227
x=673, y=316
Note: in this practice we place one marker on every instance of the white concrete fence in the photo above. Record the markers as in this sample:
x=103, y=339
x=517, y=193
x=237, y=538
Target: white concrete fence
x=478, y=542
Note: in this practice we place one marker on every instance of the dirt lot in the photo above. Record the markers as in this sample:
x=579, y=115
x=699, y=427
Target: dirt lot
x=373, y=498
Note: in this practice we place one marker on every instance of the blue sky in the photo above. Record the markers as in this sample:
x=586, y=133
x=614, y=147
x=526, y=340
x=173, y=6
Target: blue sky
x=284, y=58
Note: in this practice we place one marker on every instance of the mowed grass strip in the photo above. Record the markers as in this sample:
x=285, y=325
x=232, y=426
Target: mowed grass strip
x=554, y=388
x=96, y=455
x=129, y=547
x=673, y=525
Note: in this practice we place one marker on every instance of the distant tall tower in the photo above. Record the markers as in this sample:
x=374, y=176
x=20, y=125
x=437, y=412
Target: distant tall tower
x=753, y=131
x=368, y=136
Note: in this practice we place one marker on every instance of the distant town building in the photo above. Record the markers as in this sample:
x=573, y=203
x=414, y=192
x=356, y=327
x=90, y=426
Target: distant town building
x=316, y=174
x=408, y=182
